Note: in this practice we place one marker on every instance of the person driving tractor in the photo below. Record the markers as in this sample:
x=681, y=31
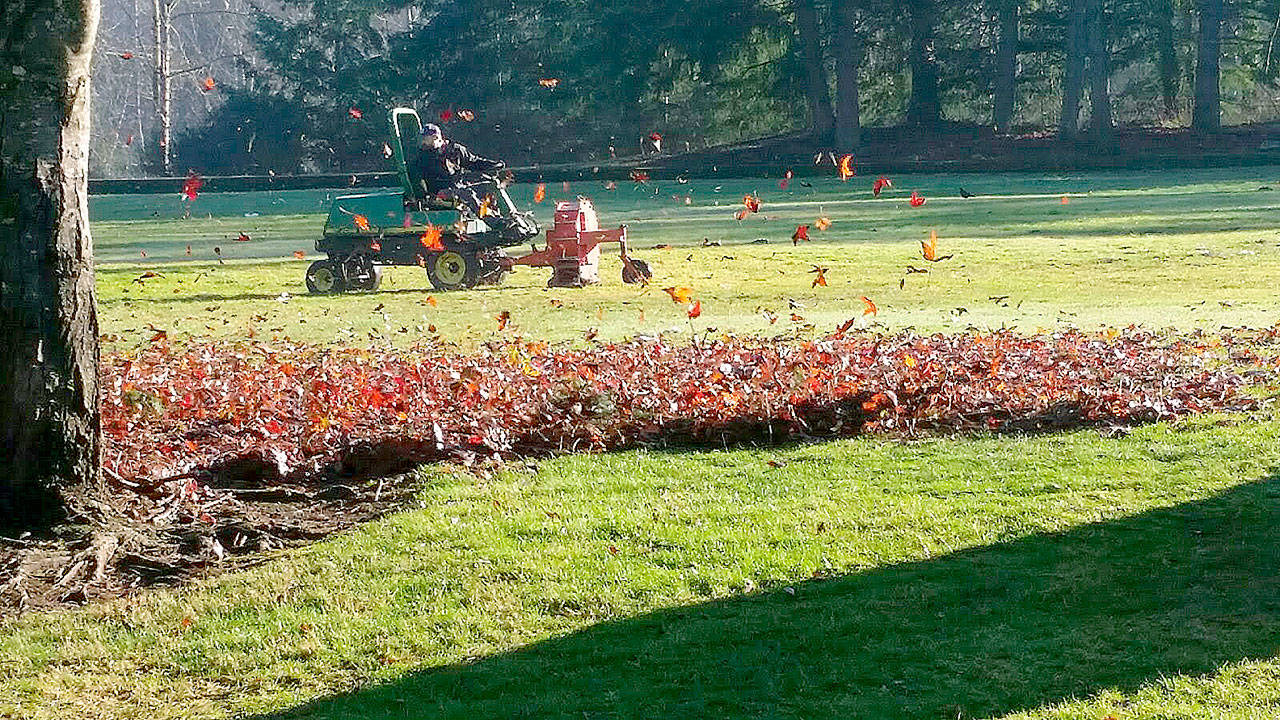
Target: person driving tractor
x=447, y=169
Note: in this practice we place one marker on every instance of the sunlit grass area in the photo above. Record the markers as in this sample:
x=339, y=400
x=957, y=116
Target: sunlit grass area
x=1049, y=577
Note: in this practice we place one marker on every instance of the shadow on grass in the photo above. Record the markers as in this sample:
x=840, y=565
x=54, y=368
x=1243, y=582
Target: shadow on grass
x=1113, y=604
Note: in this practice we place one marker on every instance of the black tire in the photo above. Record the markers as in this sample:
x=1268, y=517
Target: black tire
x=453, y=270
x=640, y=274
x=325, y=277
x=361, y=274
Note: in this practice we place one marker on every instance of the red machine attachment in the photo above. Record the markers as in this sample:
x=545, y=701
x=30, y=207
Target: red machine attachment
x=573, y=248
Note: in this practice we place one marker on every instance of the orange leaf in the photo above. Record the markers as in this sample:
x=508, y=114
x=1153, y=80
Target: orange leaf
x=361, y=222
x=541, y=193
x=430, y=239
x=680, y=295
x=299, y=254
x=695, y=310
x=869, y=308
x=916, y=199
x=549, y=82
x=503, y=319
x=845, y=168
x=822, y=223
x=207, y=85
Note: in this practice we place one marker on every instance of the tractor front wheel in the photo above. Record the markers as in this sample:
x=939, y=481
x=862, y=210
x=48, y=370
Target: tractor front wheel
x=453, y=270
x=325, y=277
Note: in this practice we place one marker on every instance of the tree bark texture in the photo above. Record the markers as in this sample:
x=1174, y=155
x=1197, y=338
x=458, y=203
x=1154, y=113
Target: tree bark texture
x=49, y=422
x=848, y=59
x=1206, y=113
x=817, y=87
x=1006, y=79
x=924, y=107
x=1073, y=71
x=1166, y=57
x=1099, y=72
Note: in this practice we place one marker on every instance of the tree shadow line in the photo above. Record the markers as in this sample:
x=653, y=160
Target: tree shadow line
x=1114, y=604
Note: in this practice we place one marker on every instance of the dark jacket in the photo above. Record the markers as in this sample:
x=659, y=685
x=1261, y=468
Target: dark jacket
x=437, y=169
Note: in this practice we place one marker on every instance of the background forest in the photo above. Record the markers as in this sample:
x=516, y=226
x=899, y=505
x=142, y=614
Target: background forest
x=251, y=86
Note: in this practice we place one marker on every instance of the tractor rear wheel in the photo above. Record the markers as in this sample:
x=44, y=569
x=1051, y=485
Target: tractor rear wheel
x=324, y=277
x=453, y=270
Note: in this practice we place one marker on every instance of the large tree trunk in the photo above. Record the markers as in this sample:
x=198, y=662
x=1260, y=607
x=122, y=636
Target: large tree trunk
x=1099, y=73
x=924, y=106
x=1206, y=113
x=1073, y=71
x=1006, y=80
x=49, y=422
x=162, y=93
x=817, y=87
x=848, y=59
x=1166, y=57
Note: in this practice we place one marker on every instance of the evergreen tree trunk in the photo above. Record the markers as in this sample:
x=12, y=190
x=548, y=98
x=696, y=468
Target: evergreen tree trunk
x=1006, y=80
x=1206, y=113
x=49, y=421
x=924, y=107
x=1099, y=73
x=848, y=59
x=817, y=86
x=1167, y=57
x=1073, y=71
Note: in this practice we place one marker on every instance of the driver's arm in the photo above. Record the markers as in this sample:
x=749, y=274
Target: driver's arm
x=475, y=163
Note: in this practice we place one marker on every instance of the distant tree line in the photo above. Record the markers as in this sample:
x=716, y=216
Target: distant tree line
x=584, y=80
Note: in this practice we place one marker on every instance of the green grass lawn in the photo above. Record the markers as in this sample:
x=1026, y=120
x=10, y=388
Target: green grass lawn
x=1057, y=576
x=1172, y=249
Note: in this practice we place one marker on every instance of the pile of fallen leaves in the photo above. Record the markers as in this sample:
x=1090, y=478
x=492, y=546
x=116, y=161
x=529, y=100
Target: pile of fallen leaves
x=221, y=450
x=287, y=411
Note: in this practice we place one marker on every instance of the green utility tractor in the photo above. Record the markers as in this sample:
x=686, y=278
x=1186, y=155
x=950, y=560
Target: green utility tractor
x=367, y=232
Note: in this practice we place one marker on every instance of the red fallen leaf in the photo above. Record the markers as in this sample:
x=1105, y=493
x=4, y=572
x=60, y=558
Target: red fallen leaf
x=916, y=199
x=207, y=85
x=242, y=237
x=361, y=222
x=610, y=185
x=876, y=403
x=299, y=254
x=191, y=188
x=431, y=300
x=741, y=214
x=1066, y=200
x=639, y=176
x=355, y=113
x=186, y=622
x=869, y=308
x=550, y=83
x=540, y=193
x=785, y=182
x=821, y=279
x=375, y=246
x=128, y=141
x=503, y=318
x=751, y=203
x=613, y=550
x=797, y=318
x=430, y=239
x=845, y=168
x=695, y=310
x=844, y=327
x=126, y=55
x=466, y=115
x=680, y=295
x=147, y=276
x=801, y=233
x=446, y=115
x=881, y=183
